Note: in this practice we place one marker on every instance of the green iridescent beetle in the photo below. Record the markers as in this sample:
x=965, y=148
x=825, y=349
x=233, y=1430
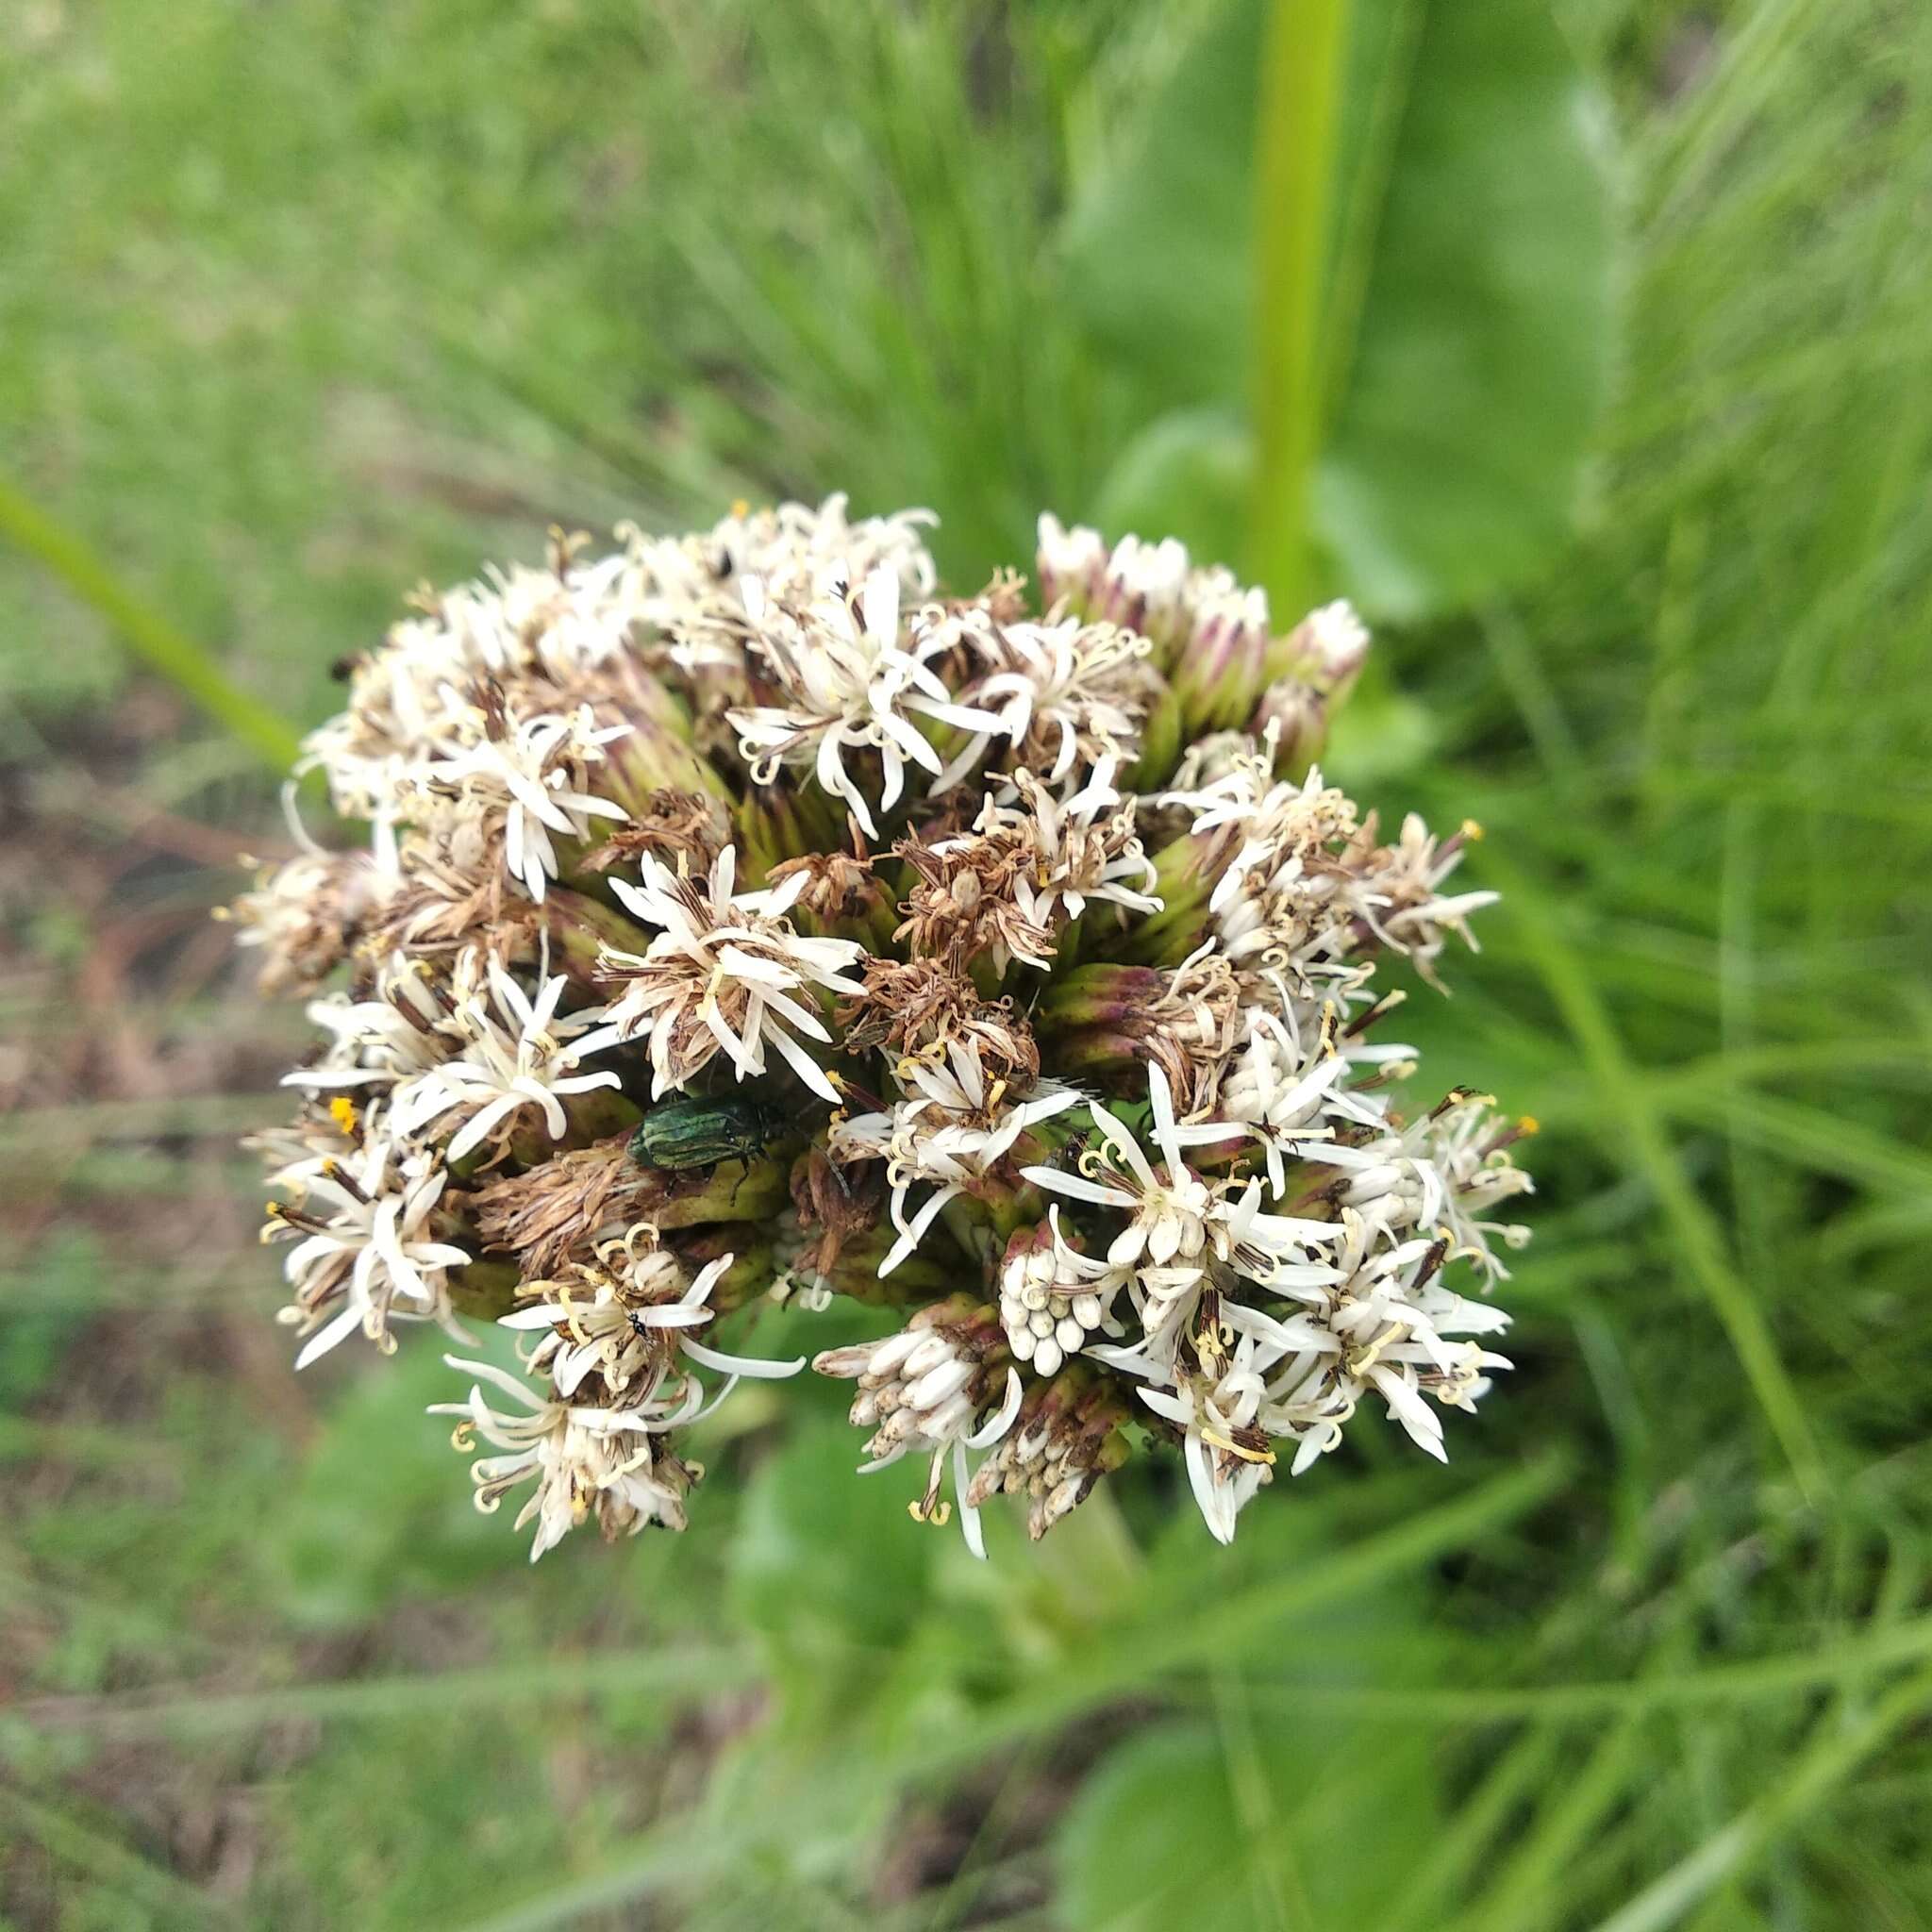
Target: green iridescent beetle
x=679, y=1135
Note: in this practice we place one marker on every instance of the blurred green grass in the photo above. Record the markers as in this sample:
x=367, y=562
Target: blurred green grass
x=305, y=303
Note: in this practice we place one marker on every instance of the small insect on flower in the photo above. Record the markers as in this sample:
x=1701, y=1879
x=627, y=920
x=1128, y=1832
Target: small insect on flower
x=679, y=1135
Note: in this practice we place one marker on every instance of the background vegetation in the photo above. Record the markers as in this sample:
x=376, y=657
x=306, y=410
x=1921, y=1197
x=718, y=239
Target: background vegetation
x=302, y=304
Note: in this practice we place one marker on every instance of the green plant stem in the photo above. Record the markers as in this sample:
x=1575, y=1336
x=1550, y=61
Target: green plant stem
x=1294, y=169
x=184, y=663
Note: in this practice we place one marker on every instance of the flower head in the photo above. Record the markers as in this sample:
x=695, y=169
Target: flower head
x=1064, y=694
x=366, y=1251
x=726, y=973
x=514, y=1055
x=953, y=1125
x=634, y=1321
x=935, y=1388
x=585, y=1460
x=741, y=918
x=527, y=774
x=850, y=683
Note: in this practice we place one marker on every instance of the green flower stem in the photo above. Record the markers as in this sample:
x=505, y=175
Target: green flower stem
x=917, y=1279
x=484, y=1290
x=581, y=926
x=1160, y=744
x=1097, y=993
x=1302, y=66
x=732, y=1191
x=748, y=1244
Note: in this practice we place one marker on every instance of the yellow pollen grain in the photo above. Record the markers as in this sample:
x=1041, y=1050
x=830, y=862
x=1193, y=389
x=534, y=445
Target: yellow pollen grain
x=1471, y=831
x=1529, y=1124
x=341, y=1110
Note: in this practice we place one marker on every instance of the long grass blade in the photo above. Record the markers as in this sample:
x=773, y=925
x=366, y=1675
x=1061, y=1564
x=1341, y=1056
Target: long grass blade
x=1457, y=1848
x=172, y=653
x=1837, y=1750
x=1524, y=1897
x=1720, y=1685
x=1643, y=1142
x=192, y=1712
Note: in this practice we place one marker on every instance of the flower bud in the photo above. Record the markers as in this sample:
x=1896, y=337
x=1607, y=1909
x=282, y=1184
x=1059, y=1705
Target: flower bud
x=1070, y=564
x=1297, y=715
x=1326, y=650
x=1141, y=585
x=854, y=1272
x=582, y=929
x=926, y=1382
x=1047, y=1317
x=1219, y=667
x=1101, y=993
x=1069, y=1434
x=1185, y=872
x=650, y=758
x=744, y=1247
x=1161, y=738
x=777, y=823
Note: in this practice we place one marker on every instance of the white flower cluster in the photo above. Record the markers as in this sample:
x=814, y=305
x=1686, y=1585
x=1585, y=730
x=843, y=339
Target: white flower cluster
x=741, y=912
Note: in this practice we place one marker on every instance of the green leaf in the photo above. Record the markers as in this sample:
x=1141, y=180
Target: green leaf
x=1218, y=1826
x=1188, y=475
x=1144, y=1844
x=824, y=1558
x=383, y=1511
x=1223, y=1825
x=1467, y=314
